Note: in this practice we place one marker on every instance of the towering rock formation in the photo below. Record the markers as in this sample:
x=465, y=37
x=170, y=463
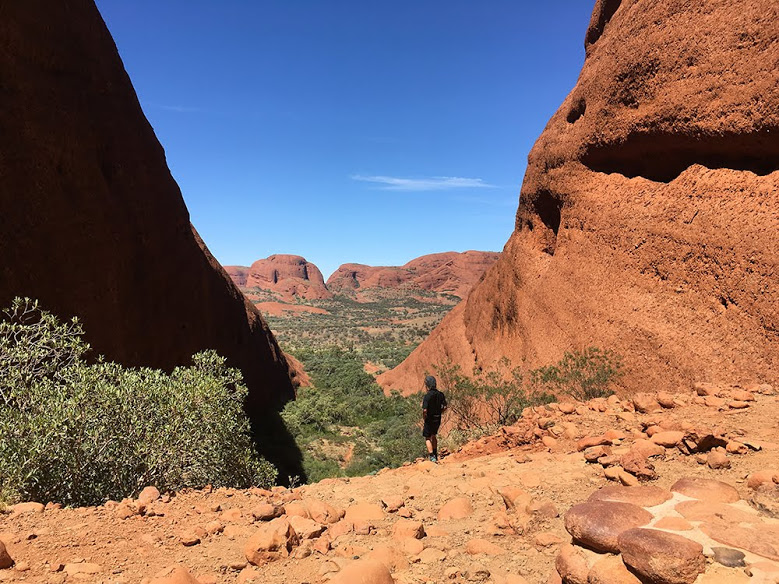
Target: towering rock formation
x=290, y=276
x=450, y=272
x=649, y=213
x=91, y=220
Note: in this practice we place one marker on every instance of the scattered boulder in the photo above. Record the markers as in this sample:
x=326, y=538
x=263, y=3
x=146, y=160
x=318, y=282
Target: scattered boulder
x=306, y=528
x=365, y=571
x=457, y=508
x=598, y=524
x=322, y=512
x=272, y=540
x=660, y=557
x=642, y=496
x=174, y=575
x=483, y=546
x=405, y=528
x=364, y=512
x=709, y=490
x=611, y=570
x=572, y=565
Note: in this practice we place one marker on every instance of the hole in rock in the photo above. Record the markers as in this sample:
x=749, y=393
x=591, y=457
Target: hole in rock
x=547, y=207
x=662, y=157
x=577, y=111
x=603, y=13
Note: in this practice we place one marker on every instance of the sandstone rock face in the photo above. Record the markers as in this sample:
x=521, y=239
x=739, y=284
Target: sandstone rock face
x=238, y=274
x=449, y=272
x=648, y=209
x=91, y=220
x=290, y=276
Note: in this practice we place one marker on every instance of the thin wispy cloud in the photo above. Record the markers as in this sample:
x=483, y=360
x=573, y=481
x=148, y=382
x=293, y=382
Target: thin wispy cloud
x=434, y=183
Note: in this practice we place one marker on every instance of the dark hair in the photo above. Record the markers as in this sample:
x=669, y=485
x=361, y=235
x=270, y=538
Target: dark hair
x=430, y=382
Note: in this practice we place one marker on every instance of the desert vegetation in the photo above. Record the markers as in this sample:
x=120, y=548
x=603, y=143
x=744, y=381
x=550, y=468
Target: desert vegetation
x=81, y=433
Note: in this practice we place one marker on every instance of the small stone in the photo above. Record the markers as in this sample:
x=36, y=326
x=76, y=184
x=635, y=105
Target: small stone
x=591, y=441
x=189, y=539
x=273, y=540
x=716, y=459
x=760, y=477
x=611, y=570
x=364, y=512
x=148, y=495
x=457, y=508
x=5, y=558
x=734, y=447
x=482, y=546
x=392, y=504
x=404, y=528
x=668, y=439
x=645, y=403
x=82, y=568
x=547, y=539
x=365, y=571
x=306, y=528
x=729, y=557
x=174, y=575
x=593, y=453
x=572, y=565
x=323, y=513
x=266, y=512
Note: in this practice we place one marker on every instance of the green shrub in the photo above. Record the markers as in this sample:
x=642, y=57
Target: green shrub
x=487, y=399
x=81, y=434
x=346, y=404
x=583, y=374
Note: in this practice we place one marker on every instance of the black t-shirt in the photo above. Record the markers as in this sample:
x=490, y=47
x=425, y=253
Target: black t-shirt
x=434, y=402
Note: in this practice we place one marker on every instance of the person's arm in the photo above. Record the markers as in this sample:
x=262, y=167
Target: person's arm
x=424, y=406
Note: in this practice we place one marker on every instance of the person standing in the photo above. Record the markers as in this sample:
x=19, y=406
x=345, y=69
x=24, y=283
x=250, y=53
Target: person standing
x=433, y=406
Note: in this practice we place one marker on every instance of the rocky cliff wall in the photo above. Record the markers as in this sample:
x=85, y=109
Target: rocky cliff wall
x=649, y=211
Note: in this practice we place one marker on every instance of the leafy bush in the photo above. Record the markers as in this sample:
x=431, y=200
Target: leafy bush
x=80, y=434
x=583, y=374
x=486, y=399
x=345, y=403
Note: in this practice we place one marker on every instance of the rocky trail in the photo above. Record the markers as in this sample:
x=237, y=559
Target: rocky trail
x=654, y=488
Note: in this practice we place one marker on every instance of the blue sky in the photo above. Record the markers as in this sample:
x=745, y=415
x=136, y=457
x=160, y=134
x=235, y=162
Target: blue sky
x=349, y=130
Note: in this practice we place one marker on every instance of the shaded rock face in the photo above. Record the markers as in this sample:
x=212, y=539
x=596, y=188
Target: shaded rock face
x=290, y=276
x=449, y=272
x=91, y=219
x=648, y=213
x=238, y=274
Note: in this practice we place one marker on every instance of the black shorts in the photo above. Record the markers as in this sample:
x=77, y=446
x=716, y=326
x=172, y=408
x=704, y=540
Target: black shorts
x=430, y=428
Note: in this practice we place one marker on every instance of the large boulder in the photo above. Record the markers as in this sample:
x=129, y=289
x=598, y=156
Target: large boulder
x=648, y=210
x=92, y=223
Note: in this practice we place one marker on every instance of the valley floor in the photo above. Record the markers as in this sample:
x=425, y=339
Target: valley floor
x=494, y=512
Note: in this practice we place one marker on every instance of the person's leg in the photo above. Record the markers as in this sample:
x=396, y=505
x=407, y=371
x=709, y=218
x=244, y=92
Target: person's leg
x=429, y=443
x=434, y=444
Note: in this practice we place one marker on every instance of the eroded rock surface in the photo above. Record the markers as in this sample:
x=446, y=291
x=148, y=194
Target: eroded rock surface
x=92, y=223
x=648, y=209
